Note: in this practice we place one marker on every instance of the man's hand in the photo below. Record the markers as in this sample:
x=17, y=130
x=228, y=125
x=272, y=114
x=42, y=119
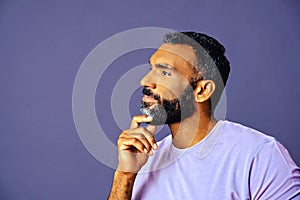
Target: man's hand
x=136, y=144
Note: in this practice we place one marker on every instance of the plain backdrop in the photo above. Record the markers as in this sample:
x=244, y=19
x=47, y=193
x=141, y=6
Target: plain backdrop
x=43, y=43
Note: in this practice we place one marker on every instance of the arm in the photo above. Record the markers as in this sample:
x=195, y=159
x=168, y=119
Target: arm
x=122, y=185
x=135, y=145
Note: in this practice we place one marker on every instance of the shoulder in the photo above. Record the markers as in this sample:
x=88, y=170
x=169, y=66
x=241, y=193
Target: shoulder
x=243, y=144
x=272, y=172
x=256, y=143
x=235, y=129
x=241, y=136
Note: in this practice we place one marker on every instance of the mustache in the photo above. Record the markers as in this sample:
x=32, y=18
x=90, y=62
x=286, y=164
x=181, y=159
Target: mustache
x=148, y=92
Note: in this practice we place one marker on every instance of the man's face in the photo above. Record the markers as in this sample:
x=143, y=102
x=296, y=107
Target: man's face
x=168, y=96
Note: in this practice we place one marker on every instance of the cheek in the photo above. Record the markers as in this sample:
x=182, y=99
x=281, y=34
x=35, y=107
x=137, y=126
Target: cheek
x=173, y=90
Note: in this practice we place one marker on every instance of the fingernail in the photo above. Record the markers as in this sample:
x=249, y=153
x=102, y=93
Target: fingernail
x=146, y=151
x=155, y=146
x=150, y=152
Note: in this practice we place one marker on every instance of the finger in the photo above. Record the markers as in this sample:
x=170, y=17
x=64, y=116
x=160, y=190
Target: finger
x=148, y=135
x=137, y=120
x=126, y=144
x=147, y=144
x=142, y=135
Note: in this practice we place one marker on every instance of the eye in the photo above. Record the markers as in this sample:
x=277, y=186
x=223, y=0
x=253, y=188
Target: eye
x=165, y=73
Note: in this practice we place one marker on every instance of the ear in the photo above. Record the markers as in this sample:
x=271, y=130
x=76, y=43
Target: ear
x=204, y=90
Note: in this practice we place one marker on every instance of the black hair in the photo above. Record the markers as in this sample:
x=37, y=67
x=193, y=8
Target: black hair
x=211, y=61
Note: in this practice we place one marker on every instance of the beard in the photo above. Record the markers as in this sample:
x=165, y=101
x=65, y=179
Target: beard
x=169, y=111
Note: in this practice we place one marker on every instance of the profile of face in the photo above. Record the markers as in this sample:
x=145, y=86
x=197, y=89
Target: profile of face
x=168, y=95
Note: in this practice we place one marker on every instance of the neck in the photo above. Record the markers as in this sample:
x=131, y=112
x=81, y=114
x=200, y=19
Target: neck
x=191, y=130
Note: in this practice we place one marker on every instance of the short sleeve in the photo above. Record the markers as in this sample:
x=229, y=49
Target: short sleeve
x=273, y=174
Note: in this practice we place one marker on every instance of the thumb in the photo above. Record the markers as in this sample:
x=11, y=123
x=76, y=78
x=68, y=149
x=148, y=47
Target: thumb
x=151, y=129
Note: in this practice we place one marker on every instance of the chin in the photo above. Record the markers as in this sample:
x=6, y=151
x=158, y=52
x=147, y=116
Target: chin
x=156, y=111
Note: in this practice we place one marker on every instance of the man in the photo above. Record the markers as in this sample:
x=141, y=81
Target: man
x=202, y=158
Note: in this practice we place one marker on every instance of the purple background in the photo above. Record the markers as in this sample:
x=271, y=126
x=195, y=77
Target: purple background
x=43, y=43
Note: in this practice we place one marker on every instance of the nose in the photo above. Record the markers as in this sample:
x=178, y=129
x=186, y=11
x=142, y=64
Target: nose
x=148, y=81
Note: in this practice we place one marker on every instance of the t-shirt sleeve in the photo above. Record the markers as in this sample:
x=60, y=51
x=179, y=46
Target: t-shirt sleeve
x=273, y=174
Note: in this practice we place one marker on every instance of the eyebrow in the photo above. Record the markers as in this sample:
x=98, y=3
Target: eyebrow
x=163, y=66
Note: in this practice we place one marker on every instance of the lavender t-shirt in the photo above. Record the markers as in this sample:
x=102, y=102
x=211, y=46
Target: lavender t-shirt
x=232, y=162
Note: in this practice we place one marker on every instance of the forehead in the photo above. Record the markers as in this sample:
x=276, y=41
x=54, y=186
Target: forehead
x=179, y=56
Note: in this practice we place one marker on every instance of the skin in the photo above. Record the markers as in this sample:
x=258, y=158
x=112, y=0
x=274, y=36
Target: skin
x=137, y=143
